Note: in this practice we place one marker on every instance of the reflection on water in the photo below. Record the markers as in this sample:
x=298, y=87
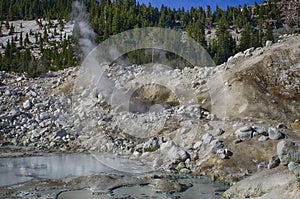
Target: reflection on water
x=22, y=169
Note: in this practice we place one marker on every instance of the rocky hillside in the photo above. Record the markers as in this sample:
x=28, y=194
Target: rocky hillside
x=262, y=83
x=227, y=122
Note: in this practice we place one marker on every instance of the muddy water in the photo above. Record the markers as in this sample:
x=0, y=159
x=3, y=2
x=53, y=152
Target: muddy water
x=199, y=188
x=21, y=169
x=15, y=170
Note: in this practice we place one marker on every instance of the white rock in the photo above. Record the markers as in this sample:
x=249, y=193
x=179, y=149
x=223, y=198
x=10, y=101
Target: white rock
x=230, y=59
x=240, y=54
x=136, y=154
x=269, y=43
x=32, y=94
x=274, y=134
x=7, y=93
x=197, y=145
x=44, y=115
x=177, y=154
x=27, y=104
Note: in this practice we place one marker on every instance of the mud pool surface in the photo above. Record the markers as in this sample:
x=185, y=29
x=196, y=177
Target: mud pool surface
x=197, y=188
x=21, y=170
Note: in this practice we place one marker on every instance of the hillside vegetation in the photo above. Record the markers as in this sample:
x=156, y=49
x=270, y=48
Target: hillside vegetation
x=222, y=32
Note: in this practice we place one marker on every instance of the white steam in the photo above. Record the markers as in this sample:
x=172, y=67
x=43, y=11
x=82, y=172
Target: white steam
x=82, y=30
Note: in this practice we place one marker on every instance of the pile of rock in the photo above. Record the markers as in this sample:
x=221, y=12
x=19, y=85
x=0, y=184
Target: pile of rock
x=260, y=132
x=30, y=115
x=177, y=134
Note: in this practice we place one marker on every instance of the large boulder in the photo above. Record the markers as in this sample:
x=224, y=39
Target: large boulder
x=173, y=152
x=295, y=168
x=274, y=162
x=177, y=154
x=244, y=133
x=60, y=133
x=274, y=134
x=288, y=151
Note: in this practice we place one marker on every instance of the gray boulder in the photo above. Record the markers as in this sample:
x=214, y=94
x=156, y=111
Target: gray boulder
x=173, y=152
x=244, y=133
x=197, y=145
x=260, y=130
x=282, y=126
x=60, y=133
x=263, y=138
x=274, y=162
x=287, y=152
x=274, y=134
x=216, y=144
x=221, y=153
x=44, y=115
x=295, y=168
x=7, y=93
x=218, y=132
x=15, y=112
x=178, y=154
x=27, y=104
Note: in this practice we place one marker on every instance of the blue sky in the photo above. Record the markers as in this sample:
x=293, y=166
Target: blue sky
x=187, y=4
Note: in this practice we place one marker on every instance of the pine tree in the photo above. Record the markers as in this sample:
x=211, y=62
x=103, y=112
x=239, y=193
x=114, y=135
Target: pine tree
x=41, y=43
x=45, y=34
x=17, y=60
x=269, y=34
x=13, y=45
x=26, y=40
x=7, y=51
x=208, y=16
x=1, y=62
x=248, y=38
x=61, y=24
x=55, y=32
x=21, y=39
x=7, y=24
x=224, y=47
x=116, y=22
x=111, y=17
x=11, y=29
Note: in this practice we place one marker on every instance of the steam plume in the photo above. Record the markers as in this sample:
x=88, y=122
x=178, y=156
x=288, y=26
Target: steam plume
x=82, y=31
